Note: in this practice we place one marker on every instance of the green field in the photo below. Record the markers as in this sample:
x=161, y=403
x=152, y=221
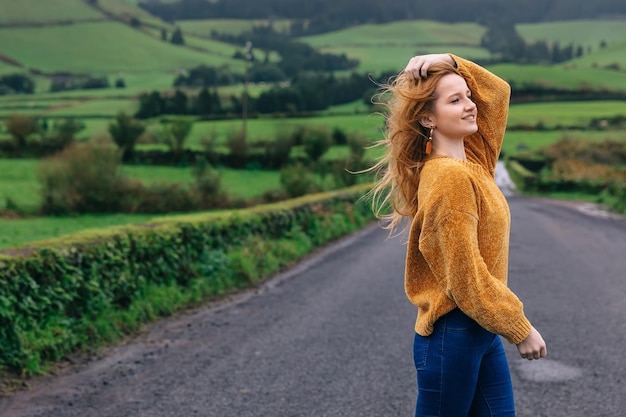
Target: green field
x=614, y=54
x=516, y=141
x=569, y=76
x=228, y=26
x=72, y=108
x=587, y=33
x=14, y=232
x=410, y=32
x=18, y=180
x=350, y=118
x=577, y=113
x=370, y=125
x=146, y=63
x=125, y=8
x=20, y=11
x=119, y=49
x=383, y=47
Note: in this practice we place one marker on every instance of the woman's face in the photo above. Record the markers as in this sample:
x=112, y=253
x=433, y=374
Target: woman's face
x=454, y=113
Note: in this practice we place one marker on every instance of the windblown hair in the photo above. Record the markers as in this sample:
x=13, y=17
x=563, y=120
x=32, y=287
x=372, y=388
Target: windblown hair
x=405, y=140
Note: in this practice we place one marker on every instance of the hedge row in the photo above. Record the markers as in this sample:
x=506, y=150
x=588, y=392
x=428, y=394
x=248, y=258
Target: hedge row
x=611, y=191
x=91, y=288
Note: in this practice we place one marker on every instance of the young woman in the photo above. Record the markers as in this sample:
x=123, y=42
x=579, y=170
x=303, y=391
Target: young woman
x=445, y=127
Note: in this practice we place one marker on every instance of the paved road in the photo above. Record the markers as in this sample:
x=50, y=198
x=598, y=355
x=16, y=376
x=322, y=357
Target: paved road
x=333, y=337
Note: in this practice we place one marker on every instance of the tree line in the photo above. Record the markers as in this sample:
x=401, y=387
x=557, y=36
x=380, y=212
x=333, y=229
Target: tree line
x=506, y=45
x=306, y=92
x=316, y=16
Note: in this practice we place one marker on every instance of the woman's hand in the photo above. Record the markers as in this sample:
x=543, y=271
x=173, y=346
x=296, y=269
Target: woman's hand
x=533, y=347
x=418, y=65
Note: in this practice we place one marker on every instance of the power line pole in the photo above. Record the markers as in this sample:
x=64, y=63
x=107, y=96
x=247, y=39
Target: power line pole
x=244, y=99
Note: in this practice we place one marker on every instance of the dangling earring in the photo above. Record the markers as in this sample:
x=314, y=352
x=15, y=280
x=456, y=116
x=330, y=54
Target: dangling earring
x=429, y=142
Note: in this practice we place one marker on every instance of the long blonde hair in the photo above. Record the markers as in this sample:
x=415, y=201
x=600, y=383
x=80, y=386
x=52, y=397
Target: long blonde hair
x=405, y=142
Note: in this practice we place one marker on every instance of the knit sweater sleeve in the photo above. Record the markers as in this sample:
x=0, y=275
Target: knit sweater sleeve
x=449, y=245
x=491, y=95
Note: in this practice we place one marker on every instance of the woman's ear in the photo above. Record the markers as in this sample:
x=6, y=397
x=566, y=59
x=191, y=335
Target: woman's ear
x=427, y=122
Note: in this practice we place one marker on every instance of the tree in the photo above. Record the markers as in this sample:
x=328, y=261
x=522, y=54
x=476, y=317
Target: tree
x=177, y=37
x=278, y=150
x=296, y=180
x=175, y=134
x=84, y=178
x=150, y=105
x=579, y=51
x=238, y=149
x=21, y=126
x=539, y=52
x=316, y=141
x=65, y=132
x=17, y=83
x=125, y=132
x=207, y=102
x=208, y=183
x=502, y=39
x=177, y=104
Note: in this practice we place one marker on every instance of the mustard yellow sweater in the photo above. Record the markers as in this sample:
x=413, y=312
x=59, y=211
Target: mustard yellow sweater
x=457, y=253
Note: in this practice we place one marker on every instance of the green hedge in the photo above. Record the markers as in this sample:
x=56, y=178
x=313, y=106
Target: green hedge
x=89, y=289
x=610, y=193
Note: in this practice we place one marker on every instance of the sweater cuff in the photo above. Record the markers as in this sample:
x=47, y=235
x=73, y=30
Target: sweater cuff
x=518, y=332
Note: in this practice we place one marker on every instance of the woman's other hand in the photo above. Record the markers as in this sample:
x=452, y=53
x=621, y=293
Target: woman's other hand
x=418, y=65
x=533, y=347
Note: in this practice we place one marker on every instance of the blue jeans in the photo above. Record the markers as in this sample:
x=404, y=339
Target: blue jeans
x=462, y=371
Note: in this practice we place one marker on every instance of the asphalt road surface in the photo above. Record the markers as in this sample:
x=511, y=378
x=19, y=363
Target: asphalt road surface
x=333, y=336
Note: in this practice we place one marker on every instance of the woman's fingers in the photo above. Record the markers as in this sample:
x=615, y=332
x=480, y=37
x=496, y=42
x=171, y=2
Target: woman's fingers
x=414, y=67
x=533, y=347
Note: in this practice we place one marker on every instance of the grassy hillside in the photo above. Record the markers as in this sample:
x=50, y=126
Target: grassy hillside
x=412, y=32
x=382, y=47
x=101, y=42
x=570, y=75
x=106, y=47
x=229, y=26
x=129, y=8
x=614, y=53
x=588, y=33
x=24, y=11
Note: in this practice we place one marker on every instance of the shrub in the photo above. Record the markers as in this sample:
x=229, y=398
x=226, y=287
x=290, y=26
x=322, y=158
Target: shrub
x=316, y=141
x=84, y=178
x=238, y=149
x=209, y=146
x=21, y=126
x=125, y=131
x=277, y=151
x=160, y=197
x=65, y=83
x=339, y=136
x=175, y=134
x=16, y=83
x=64, y=133
x=614, y=195
x=208, y=185
x=297, y=180
x=357, y=143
